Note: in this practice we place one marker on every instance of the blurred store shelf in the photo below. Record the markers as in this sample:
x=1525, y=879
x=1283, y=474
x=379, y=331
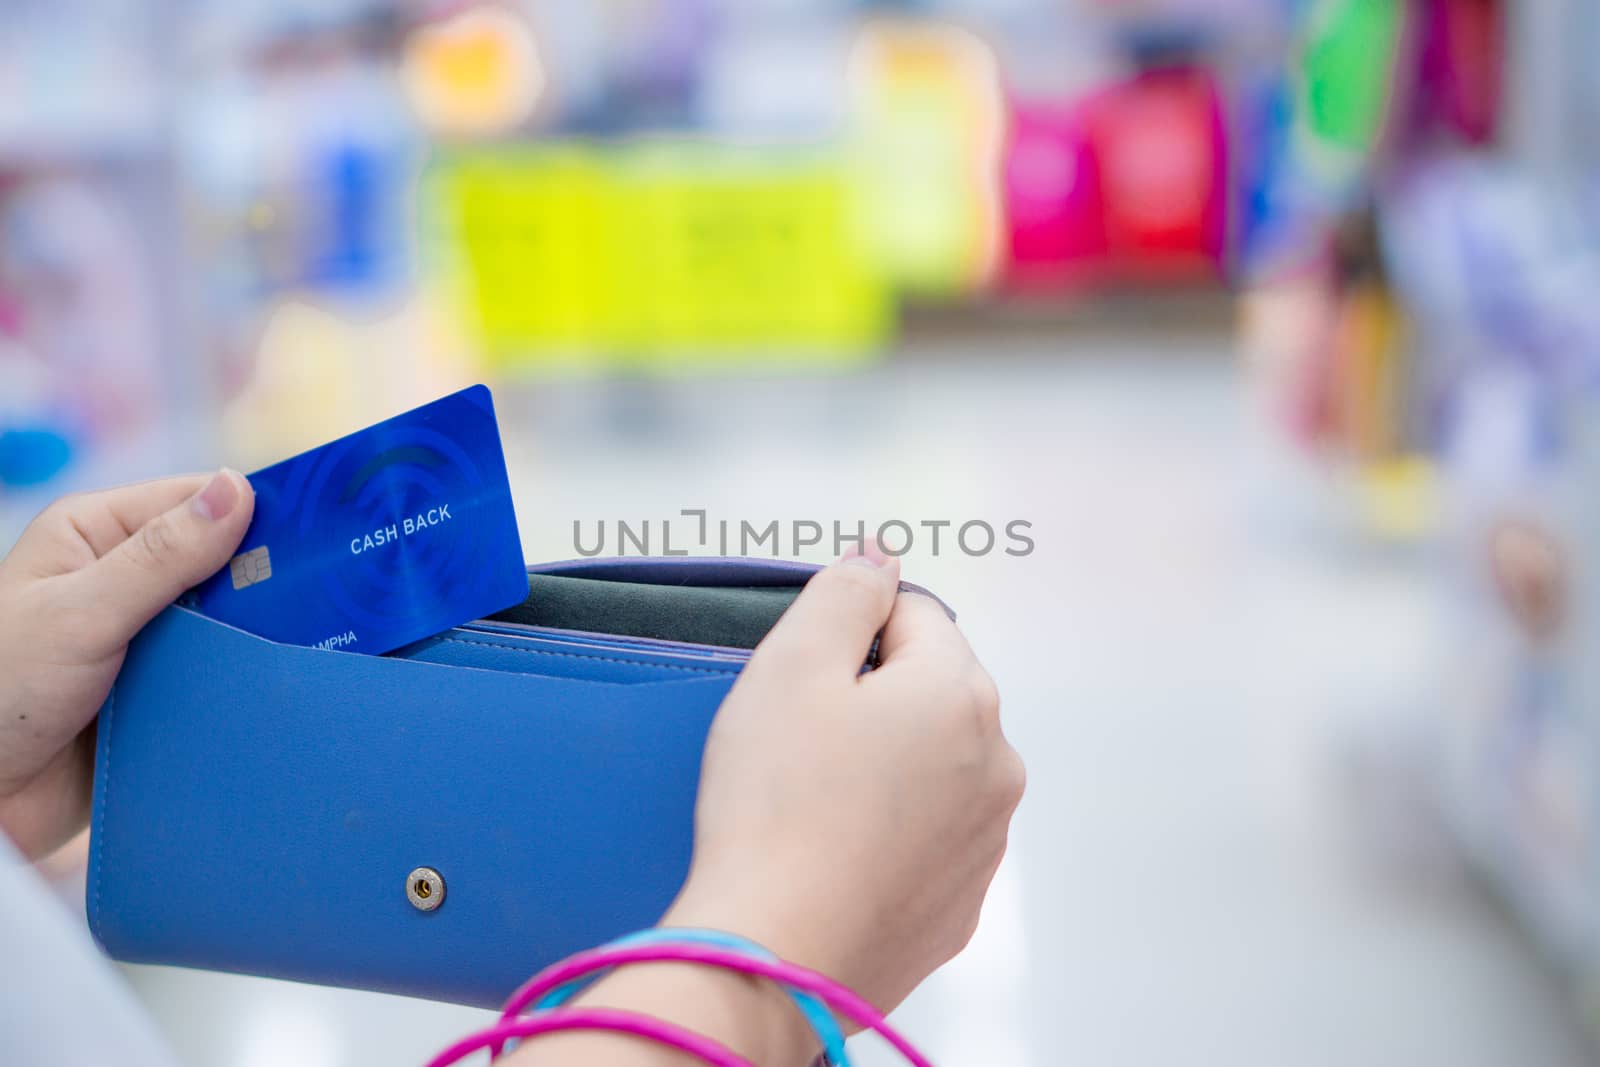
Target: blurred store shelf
x=1047, y=325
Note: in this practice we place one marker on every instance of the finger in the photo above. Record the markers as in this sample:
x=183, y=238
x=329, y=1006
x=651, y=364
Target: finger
x=170, y=552
x=832, y=623
x=105, y=519
x=917, y=627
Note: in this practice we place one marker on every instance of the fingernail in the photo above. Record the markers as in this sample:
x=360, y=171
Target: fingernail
x=867, y=555
x=219, y=496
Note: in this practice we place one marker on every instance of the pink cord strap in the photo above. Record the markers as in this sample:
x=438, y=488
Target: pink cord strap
x=592, y=1019
x=837, y=996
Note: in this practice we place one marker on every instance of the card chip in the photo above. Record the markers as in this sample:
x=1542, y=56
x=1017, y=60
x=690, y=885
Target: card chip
x=250, y=568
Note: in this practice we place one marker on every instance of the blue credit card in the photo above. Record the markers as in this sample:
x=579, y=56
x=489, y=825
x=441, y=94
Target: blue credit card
x=381, y=538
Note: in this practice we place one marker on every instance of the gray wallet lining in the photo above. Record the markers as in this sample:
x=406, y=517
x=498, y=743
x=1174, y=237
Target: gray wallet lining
x=732, y=617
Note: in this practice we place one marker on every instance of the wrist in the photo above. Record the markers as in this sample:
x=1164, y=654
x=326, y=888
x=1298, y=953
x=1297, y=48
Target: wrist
x=789, y=931
x=748, y=1016
x=769, y=928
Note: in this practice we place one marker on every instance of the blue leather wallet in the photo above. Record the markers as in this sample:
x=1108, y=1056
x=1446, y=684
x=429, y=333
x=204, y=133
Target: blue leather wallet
x=442, y=821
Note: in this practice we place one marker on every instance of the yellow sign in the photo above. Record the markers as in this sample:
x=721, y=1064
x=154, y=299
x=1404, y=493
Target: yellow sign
x=665, y=254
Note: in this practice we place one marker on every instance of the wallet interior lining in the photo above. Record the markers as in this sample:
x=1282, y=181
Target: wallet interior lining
x=731, y=617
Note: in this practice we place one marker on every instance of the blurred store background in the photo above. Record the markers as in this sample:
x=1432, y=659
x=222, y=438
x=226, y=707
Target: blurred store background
x=1278, y=320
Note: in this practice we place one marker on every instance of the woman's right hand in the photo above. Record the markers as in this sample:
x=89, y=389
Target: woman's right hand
x=852, y=822
x=849, y=822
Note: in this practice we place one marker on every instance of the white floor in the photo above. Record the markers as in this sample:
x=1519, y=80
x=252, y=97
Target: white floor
x=1194, y=877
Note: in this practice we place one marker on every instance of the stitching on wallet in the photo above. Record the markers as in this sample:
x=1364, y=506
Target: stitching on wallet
x=97, y=834
x=580, y=655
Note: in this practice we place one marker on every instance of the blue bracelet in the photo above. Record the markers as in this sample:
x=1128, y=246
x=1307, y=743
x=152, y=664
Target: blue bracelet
x=816, y=1013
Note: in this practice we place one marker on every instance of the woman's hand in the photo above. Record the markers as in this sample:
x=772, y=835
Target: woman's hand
x=853, y=822
x=849, y=822
x=85, y=577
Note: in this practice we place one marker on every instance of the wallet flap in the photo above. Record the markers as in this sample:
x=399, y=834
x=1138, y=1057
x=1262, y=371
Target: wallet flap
x=259, y=807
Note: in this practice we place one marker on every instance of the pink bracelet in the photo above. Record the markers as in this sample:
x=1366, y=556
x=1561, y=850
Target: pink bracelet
x=618, y=1022
x=837, y=996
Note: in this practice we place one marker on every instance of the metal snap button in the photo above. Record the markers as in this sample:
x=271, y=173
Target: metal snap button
x=425, y=888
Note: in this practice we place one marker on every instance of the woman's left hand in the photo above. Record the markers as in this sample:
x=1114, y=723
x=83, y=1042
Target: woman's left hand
x=86, y=576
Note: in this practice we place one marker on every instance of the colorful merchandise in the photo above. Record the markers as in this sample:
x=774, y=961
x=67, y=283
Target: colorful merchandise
x=926, y=129
x=1128, y=186
x=667, y=255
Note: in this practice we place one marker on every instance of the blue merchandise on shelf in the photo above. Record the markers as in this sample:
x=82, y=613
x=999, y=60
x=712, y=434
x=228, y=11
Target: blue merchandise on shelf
x=32, y=455
x=353, y=249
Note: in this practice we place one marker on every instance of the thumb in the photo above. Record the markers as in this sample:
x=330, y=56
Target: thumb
x=832, y=623
x=173, y=551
